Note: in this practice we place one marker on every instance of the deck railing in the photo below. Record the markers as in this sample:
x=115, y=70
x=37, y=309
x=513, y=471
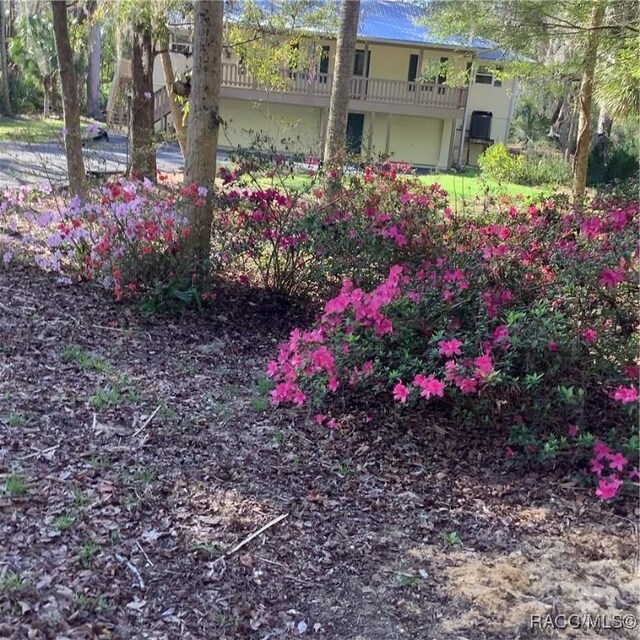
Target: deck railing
x=369, y=89
x=299, y=83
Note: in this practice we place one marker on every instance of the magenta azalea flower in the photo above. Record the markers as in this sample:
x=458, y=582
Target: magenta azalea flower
x=608, y=488
x=625, y=394
x=449, y=348
x=429, y=386
x=617, y=461
x=400, y=393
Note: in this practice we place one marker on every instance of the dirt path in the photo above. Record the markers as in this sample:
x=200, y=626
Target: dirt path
x=115, y=525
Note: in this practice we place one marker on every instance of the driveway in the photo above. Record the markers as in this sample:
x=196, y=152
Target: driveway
x=36, y=162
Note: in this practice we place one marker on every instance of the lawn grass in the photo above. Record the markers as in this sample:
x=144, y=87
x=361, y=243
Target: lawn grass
x=469, y=185
x=30, y=129
x=35, y=128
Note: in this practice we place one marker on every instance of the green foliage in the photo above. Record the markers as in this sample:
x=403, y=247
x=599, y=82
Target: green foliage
x=618, y=81
x=615, y=159
x=83, y=359
x=104, y=398
x=32, y=52
x=11, y=583
x=530, y=168
x=87, y=552
x=452, y=538
x=64, y=522
x=15, y=485
x=497, y=163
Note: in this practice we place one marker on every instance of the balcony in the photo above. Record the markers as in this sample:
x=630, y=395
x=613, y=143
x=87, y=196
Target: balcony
x=367, y=94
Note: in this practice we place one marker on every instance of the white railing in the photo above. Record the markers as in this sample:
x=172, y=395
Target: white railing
x=400, y=92
x=366, y=89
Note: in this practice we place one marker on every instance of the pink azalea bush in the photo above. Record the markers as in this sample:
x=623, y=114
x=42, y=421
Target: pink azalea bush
x=290, y=240
x=528, y=317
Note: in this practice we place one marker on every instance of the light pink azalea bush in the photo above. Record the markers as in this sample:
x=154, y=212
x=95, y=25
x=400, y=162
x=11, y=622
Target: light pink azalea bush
x=530, y=318
x=125, y=236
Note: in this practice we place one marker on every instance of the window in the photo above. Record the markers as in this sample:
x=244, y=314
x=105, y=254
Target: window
x=484, y=75
x=442, y=77
x=181, y=47
x=413, y=71
x=324, y=59
x=359, y=63
x=413, y=68
x=467, y=79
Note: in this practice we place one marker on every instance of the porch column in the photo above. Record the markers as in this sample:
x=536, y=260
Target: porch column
x=324, y=121
x=365, y=72
x=418, y=76
x=372, y=122
x=388, y=140
x=445, y=143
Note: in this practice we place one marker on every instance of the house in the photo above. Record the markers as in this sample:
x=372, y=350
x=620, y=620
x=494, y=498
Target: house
x=399, y=106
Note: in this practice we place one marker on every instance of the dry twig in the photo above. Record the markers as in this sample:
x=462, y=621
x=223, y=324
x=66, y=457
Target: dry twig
x=248, y=539
x=132, y=568
x=146, y=422
x=41, y=452
x=144, y=553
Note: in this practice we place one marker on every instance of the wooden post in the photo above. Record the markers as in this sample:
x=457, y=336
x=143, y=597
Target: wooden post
x=388, y=140
x=372, y=121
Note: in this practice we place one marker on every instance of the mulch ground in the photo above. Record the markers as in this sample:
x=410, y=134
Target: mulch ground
x=136, y=455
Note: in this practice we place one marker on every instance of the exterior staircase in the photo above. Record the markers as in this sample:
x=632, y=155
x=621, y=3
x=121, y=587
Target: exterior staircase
x=118, y=102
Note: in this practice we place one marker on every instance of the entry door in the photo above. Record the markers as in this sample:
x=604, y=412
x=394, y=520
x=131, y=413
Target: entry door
x=361, y=66
x=355, y=127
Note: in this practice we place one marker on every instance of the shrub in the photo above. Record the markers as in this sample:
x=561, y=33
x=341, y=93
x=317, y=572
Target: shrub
x=125, y=236
x=531, y=168
x=498, y=164
x=290, y=240
x=537, y=168
x=615, y=160
x=530, y=322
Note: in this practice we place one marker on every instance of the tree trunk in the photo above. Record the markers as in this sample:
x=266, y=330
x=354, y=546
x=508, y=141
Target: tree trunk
x=143, y=151
x=93, y=71
x=47, y=85
x=204, y=122
x=335, y=143
x=70, y=102
x=169, y=79
x=585, y=96
x=5, y=93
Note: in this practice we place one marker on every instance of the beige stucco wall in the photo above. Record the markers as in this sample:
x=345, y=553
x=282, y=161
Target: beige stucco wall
x=392, y=62
x=484, y=97
x=389, y=63
x=294, y=129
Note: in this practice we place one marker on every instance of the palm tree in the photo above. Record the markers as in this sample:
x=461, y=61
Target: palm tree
x=35, y=34
x=204, y=123
x=339, y=106
x=70, y=102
